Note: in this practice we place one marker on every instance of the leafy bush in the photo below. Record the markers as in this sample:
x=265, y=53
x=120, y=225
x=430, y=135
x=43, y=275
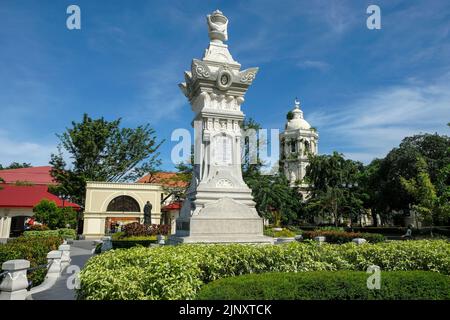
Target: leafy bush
x=38, y=227
x=373, y=237
x=329, y=285
x=48, y=213
x=41, y=234
x=119, y=240
x=331, y=228
x=137, y=229
x=34, y=249
x=177, y=272
x=342, y=236
x=285, y=233
x=67, y=233
x=382, y=230
x=64, y=233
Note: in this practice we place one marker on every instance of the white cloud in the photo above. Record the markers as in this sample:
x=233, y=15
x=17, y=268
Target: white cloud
x=160, y=97
x=370, y=126
x=313, y=64
x=14, y=150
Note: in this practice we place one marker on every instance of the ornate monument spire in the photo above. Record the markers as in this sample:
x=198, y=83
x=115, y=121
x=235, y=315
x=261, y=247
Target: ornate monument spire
x=219, y=206
x=217, y=26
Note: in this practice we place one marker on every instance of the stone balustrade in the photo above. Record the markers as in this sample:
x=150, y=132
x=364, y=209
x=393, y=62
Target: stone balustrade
x=106, y=243
x=320, y=239
x=15, y=282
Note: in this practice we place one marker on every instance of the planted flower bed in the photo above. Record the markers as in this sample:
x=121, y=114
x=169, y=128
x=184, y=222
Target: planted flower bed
x=178, y=272
x=136, y=234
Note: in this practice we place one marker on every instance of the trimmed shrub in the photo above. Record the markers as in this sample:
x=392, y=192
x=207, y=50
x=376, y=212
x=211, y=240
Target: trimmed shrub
x=41, y=234
x=67, y=233
x=64, y=233
x=38, y=227
x=332, y=236
x=120, y=240
x=329, y=285
x=177, y=272
x=285, y=233
x=33, y=249
x=137, y=229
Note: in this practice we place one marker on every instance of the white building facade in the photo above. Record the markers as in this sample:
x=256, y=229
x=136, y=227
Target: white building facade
x=108, y=203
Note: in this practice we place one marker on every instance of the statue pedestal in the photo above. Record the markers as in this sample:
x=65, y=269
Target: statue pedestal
x=221, y=221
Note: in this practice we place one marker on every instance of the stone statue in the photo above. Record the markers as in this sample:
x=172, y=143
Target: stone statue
x=217, y=26
x=148, y=213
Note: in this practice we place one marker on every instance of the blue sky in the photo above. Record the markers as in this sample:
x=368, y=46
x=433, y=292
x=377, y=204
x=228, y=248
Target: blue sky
x=363, y=89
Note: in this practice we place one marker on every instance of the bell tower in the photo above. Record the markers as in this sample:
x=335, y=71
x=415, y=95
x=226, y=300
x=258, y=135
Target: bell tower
x=297, y=141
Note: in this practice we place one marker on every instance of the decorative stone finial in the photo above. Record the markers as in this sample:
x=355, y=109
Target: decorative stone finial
x=217, y=26
x=297, y=103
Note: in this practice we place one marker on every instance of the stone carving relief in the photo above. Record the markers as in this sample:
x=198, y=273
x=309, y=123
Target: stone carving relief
x=247, y=76
x=224, y=183
x=200, y=69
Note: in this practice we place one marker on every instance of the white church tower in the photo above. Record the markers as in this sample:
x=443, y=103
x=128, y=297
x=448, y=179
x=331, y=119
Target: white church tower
x=296, y=142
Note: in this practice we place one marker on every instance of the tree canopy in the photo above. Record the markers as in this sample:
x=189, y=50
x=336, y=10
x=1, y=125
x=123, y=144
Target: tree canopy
x=101, y=150
x=334, y=186
x=16, y=165
x=48, y=213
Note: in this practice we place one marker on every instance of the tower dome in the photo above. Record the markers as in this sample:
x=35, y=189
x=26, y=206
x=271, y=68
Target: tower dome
x=297, y=121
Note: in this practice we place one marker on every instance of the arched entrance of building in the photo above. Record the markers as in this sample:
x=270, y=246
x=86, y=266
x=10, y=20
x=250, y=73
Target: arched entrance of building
x=123, y=204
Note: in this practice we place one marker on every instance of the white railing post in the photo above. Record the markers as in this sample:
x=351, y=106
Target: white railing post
x=65, y=255
x=160, y=239
x=54, y=270
x=15, y=283
x=320, y=239
x=54, y=264
x=107, y=243
x=359, y=241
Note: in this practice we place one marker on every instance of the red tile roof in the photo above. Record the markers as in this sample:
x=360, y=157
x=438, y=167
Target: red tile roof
x=35, y=175
x=12, y=196
x=167, y=179
x=172, y=206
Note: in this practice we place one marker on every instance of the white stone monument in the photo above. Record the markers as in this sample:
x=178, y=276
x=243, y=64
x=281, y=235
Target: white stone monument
x=219, y=207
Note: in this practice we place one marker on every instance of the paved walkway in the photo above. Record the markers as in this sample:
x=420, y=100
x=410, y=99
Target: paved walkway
x=80, y=252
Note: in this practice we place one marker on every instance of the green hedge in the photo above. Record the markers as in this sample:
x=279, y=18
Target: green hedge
x=33, y=249
x=333, y=236
x=65, y=233
x=285, y=233
x=177, y=272
x=124, y=243
x=120, y=241
x=329, y=285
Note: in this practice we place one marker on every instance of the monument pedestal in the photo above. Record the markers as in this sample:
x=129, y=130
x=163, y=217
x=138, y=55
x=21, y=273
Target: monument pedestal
x=219, y=206
x=222, y=221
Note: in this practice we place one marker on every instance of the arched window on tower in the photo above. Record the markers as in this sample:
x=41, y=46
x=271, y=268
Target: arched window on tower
x=293, y=146
x=123, y=204
x=307, y=149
